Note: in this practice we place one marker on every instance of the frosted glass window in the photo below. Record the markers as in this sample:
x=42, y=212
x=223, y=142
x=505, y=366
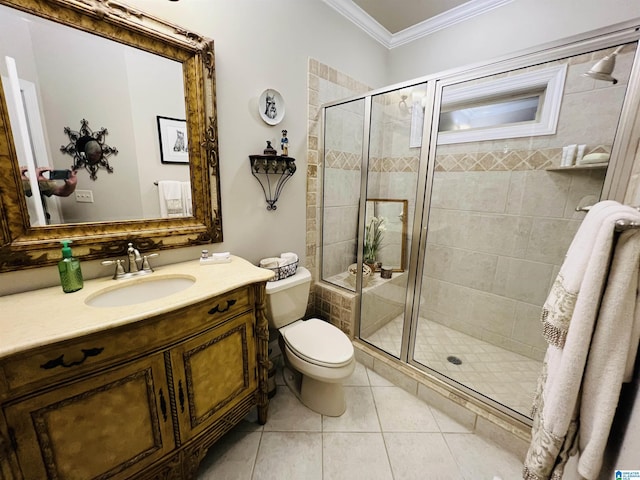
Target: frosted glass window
x=492, y=113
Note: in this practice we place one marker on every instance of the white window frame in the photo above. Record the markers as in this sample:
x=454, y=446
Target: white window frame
x=551, y=80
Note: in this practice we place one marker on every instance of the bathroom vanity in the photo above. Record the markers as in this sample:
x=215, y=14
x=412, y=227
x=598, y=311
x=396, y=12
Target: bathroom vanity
x=130, y=391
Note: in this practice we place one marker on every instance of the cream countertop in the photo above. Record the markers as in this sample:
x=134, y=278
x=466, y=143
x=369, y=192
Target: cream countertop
x=41, y=317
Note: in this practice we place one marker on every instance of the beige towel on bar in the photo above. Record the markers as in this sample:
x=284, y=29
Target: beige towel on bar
x=612, y=354
x=569, y=319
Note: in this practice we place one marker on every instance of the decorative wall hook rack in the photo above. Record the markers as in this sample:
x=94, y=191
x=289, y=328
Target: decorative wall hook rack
x=272, y=172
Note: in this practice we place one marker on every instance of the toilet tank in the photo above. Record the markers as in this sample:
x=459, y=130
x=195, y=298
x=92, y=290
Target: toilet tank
x=287, y=298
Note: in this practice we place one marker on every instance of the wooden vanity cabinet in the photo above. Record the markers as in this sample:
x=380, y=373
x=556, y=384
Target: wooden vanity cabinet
x=142, y=414
x=211, y=371
x=108, y=425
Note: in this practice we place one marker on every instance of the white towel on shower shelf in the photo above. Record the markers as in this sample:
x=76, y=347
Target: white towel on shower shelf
x=571, y=316
x=171, y=195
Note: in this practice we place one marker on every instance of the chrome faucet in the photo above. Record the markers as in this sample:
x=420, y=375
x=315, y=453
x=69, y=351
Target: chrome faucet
x=136, y=264
x=134, y=259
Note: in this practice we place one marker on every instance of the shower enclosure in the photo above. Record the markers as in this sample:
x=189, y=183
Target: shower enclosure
x=466, y=187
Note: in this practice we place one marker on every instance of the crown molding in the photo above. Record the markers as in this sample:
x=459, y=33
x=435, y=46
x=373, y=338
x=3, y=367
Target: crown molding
x=363, y=20
x=458, y=14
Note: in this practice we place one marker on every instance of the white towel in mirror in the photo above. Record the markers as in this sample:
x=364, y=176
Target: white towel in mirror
x=174, y=198
x=187, y=205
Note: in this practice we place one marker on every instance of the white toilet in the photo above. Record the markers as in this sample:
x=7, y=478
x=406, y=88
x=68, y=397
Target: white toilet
x=318, y=352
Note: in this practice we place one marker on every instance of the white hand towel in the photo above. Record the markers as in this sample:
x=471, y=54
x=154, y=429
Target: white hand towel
x=170, y=198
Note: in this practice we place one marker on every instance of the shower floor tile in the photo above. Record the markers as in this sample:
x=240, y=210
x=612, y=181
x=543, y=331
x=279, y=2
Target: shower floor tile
x=506, y=377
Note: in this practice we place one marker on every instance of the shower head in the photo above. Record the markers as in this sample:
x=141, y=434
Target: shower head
x=603, y=69
x=402, y=105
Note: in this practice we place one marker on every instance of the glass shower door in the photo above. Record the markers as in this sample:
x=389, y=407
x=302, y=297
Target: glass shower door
x=515, y=154
x=343, y=140
x=395, y=150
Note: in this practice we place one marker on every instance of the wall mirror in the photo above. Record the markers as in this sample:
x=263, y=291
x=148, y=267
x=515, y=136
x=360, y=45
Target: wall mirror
x=118, y=69
x=386, y=219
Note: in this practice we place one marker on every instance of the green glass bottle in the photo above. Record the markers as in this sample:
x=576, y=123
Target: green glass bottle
x=69, y=269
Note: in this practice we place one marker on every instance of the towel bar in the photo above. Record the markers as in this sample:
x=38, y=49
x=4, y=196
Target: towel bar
x=586, y=208
x=621, y=225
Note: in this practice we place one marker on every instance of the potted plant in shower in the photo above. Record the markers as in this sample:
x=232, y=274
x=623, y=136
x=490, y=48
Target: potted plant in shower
x=374, y=232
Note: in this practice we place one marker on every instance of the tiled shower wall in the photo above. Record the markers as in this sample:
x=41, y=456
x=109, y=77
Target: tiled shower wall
x=500, y=223
x=342, y=173
x=491, y=258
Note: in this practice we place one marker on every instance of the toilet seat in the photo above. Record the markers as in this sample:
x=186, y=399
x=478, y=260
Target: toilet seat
x=318, y=342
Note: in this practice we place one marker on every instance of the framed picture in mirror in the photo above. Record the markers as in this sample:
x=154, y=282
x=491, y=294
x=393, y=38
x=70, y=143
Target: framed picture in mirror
x=172, y=134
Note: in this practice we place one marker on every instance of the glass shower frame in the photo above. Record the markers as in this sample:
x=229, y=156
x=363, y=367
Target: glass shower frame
x=615, y=182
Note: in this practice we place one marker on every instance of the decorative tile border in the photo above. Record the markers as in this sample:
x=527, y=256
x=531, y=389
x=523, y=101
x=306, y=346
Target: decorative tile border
x=512, y=160
x=498, y=161
x=352, y=161
x=394, y=164
x=342, y=160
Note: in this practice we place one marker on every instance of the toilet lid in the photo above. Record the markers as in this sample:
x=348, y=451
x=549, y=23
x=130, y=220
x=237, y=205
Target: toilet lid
x=319, y=342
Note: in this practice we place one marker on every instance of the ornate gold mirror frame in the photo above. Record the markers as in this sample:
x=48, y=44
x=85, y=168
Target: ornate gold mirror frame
x=24, y=246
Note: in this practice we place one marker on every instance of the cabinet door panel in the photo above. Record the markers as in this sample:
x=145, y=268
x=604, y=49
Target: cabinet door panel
x=213, y=372
x=108, y=425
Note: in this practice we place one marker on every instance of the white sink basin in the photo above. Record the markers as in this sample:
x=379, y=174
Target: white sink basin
x=139, y=291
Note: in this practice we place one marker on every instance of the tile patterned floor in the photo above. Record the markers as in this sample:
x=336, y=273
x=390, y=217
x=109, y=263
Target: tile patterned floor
x=504, y=376
x=385, y=434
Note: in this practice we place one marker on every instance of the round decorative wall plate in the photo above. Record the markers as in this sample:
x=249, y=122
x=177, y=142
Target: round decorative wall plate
x=271, y=106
